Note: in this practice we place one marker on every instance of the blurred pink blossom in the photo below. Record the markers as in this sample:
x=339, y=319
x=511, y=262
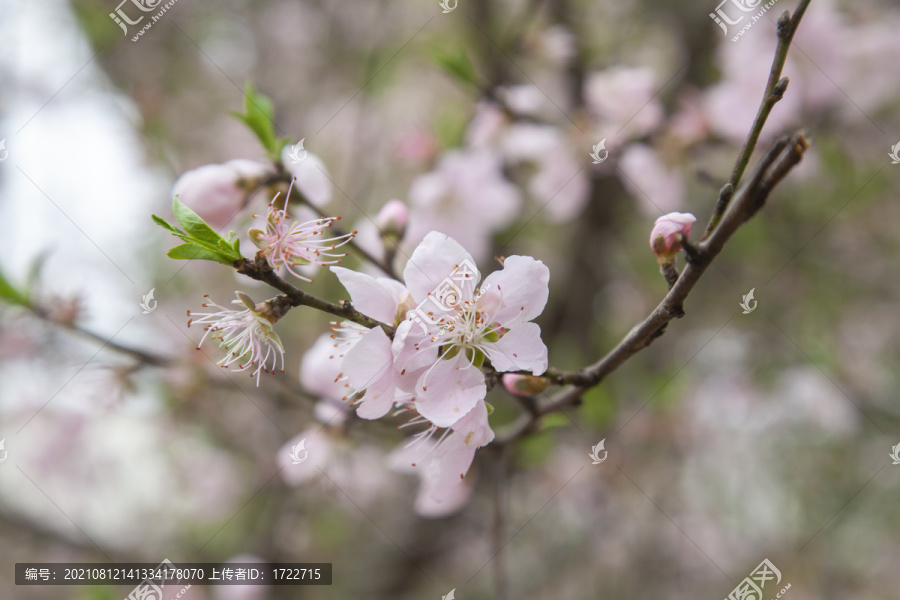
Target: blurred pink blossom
x=218, y=192
x=560, y=184
x=310, y=177
x=442, y=466
x=304, y=457
x=466, y=196
x=524, y=385
x=623, y=102
x=392, y=218
x=657, y=188
x=416, y=147
x=488, y=122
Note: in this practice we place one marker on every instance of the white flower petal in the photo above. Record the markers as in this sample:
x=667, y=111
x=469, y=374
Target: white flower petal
x=375, y=297
x=434, y=260
x=312, y=177
x=451, y=500
x=520, y=349
x=369, y=360
x=378, y=400
x=319, y=369
x=522, y=287
x=449, y=390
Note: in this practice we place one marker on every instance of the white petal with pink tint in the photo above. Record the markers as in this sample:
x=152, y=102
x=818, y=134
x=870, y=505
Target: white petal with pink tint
x=519, y=349
x=377, y=297
x=449, y=390
x=522, y=288
x=437, y=257
x=320, y=370
x=312, y=177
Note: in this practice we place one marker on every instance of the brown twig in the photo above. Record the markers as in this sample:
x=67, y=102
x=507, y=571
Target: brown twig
x=144, y=357
x=732, y=209
x=775, y=164
x=775, y=88
x=260, y=270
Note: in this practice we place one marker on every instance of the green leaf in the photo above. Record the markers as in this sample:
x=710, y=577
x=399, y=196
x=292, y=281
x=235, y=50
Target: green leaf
x=458, y=64
x=258, y=116
x=11, y=294
x=200, y=240
x=164, y=224
x=195, y=226
x=190, y=251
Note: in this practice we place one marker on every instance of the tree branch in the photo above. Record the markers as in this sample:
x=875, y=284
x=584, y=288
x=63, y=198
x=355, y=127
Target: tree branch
x=145, y=358
x=260, y=270
x=785, y=153
x=775, y=88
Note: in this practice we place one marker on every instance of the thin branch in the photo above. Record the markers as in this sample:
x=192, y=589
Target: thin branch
x=735, y=205
x=772, y=168
x=775, y=88
x=260, y=270
x=146, y=358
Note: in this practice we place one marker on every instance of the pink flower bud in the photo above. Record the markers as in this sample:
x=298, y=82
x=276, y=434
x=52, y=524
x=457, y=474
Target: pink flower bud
x=524, y=385
x=217, y=192
x=664, y=237
x=391, y=219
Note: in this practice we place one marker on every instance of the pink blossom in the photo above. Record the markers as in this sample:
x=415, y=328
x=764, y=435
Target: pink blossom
x=731, y=104
x=467, y=196
x=311, y=177
x=306, y=455
x=456, y=326
x=416, y=147
x=391, y=219
x=613, y=94
x=524, y=385
x=442, y=466
x=320, y=372
x=289, y=245
x=218, y=192
x=241, y=592
x=527, y=100
x=247, y=335
x=664, y=236
x=559, y=184
x=368, y=355
x=486, y=125
x=657, y=187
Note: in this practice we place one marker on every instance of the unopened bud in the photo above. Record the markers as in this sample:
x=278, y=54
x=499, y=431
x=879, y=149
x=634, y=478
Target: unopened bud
x=524, y=385
x=664, y=237
x=391, y=219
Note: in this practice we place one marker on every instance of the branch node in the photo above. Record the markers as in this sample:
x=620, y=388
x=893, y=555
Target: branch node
x=692, y=253
x=784, y=25
x=670, y=272
x=779, y=89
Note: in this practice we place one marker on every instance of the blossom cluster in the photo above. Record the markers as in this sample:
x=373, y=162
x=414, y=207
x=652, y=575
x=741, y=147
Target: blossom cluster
x=442, y=328
x=449, y=325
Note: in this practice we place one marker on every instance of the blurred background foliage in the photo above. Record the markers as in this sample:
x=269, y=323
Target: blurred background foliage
x=731, y=439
